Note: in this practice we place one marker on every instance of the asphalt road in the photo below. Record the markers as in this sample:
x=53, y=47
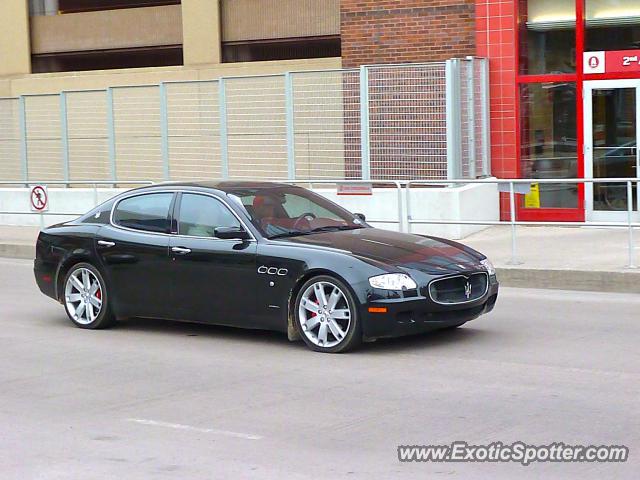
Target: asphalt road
x=153, y=399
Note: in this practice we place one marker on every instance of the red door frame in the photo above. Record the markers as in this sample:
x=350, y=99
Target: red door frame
x=553, y=214
x=560, y=214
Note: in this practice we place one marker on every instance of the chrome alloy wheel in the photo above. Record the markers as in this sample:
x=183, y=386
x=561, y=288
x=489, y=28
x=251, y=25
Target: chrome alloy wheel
x=324, y=313
x=83, y=296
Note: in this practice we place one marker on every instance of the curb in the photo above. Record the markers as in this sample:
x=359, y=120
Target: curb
x=18, y=250
x=581, y=280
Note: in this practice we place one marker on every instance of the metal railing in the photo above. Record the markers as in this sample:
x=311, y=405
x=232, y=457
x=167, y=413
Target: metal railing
x=405, y=205
x=513, y=222
x=91, y=184
x=377, y=122
x=400, y=220
x=405, y=222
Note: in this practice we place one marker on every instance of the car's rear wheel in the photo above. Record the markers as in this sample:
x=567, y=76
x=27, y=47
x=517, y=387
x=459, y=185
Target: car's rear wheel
x=86, y=297
x=326, y=315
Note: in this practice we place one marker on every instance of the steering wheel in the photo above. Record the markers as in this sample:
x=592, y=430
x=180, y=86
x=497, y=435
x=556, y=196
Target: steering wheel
x=296, y=224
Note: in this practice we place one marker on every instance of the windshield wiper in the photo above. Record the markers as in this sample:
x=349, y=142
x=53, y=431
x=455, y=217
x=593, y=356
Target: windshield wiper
x=293, y=233
x=329, y=228
x=332, y=228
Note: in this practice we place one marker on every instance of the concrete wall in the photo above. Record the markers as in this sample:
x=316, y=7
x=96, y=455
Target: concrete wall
x=271, y=19
x=15, y=52
x=57, y=82
x=197, y=24
x=105, y=30
x=202, y=39
x=475, y=202
x=5, y=88
x=470, y=202
x=256, y=119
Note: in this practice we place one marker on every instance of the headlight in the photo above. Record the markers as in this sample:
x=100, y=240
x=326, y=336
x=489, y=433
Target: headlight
x=393, y=281
x=491, y=270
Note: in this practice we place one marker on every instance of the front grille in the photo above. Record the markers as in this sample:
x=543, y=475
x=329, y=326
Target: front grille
x=459, y=289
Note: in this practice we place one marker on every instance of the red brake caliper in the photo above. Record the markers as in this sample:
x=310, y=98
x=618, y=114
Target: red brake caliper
x=99, y=294
x=314, y=314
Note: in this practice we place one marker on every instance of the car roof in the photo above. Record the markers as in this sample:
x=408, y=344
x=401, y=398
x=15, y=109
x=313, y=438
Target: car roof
x=228, y=186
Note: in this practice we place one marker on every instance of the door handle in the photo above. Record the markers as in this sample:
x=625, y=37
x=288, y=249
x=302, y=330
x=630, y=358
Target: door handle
x=181, y=250
x=104, y=243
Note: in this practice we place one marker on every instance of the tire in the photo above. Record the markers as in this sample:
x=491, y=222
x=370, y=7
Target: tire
x=85, y=293
x=327, y=330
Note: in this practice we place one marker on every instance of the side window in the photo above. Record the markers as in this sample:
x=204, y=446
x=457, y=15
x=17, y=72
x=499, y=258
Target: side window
x=201, y=214
x=148, y=212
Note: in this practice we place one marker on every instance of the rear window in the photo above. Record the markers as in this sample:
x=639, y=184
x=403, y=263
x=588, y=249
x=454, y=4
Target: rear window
x=149, y=212
x=101, y=214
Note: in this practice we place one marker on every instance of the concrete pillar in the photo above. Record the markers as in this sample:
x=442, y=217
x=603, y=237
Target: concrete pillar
x=15, y=49
x=201, y=31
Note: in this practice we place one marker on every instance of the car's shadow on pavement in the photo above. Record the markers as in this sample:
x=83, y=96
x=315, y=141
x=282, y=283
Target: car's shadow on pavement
x=173, y=327
x=430, y=340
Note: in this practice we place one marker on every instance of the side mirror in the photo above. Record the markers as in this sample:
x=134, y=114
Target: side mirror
x=231, y=233
x=360, y=216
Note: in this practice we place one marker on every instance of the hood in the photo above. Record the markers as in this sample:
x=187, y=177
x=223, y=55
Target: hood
x=401, y=250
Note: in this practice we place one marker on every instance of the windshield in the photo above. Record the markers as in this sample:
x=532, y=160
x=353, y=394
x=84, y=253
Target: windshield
x=289, y=211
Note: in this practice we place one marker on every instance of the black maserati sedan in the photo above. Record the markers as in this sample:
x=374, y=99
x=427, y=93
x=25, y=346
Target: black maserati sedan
x=258, y=255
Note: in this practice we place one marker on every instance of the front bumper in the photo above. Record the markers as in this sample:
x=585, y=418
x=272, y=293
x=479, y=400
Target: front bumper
x=408, y=316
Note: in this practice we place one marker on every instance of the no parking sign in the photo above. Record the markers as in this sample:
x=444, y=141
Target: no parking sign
x=39, y=198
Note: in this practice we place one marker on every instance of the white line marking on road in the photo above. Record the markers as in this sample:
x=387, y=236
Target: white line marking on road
x=178, y=426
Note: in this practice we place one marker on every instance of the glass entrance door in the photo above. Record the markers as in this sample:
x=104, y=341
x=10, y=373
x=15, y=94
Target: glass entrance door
x=612, y=121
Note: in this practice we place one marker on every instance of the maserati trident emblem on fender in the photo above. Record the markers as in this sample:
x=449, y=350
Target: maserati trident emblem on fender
x=467, y=290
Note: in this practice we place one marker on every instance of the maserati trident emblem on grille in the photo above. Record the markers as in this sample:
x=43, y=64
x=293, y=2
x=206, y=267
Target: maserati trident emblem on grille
x=467, y=290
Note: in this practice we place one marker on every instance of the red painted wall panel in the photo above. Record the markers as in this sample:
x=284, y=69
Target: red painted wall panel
x=496, y=40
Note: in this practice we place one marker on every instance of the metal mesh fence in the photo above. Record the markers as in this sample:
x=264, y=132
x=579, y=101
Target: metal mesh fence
x=193, y=130
x=407, y=122
x=136, y=114
x=326, y=124
x=10, y=167
x=467, y=163
x=43, y=137
x=256, y=127
x=87, y=131
x=390, y=122
x=481, y=107
x=473, y=162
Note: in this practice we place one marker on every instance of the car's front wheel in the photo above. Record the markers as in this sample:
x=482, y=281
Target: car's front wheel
x=326, y=315
x=86, y=297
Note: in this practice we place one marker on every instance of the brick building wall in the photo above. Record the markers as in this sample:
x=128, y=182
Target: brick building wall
x=398, y=31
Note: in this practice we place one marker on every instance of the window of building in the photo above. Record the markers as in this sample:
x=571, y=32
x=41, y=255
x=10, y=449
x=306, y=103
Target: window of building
x=547, y=36
x=548, y=139
x=56, y=7
x=200, y=215
x=145, y=212
x=614, y=145
x=107, y=59
x=612, y=24
x=287, y=49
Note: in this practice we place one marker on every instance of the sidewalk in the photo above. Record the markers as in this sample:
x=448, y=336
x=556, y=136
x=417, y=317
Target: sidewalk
x=18, y=242
x=570, y=258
